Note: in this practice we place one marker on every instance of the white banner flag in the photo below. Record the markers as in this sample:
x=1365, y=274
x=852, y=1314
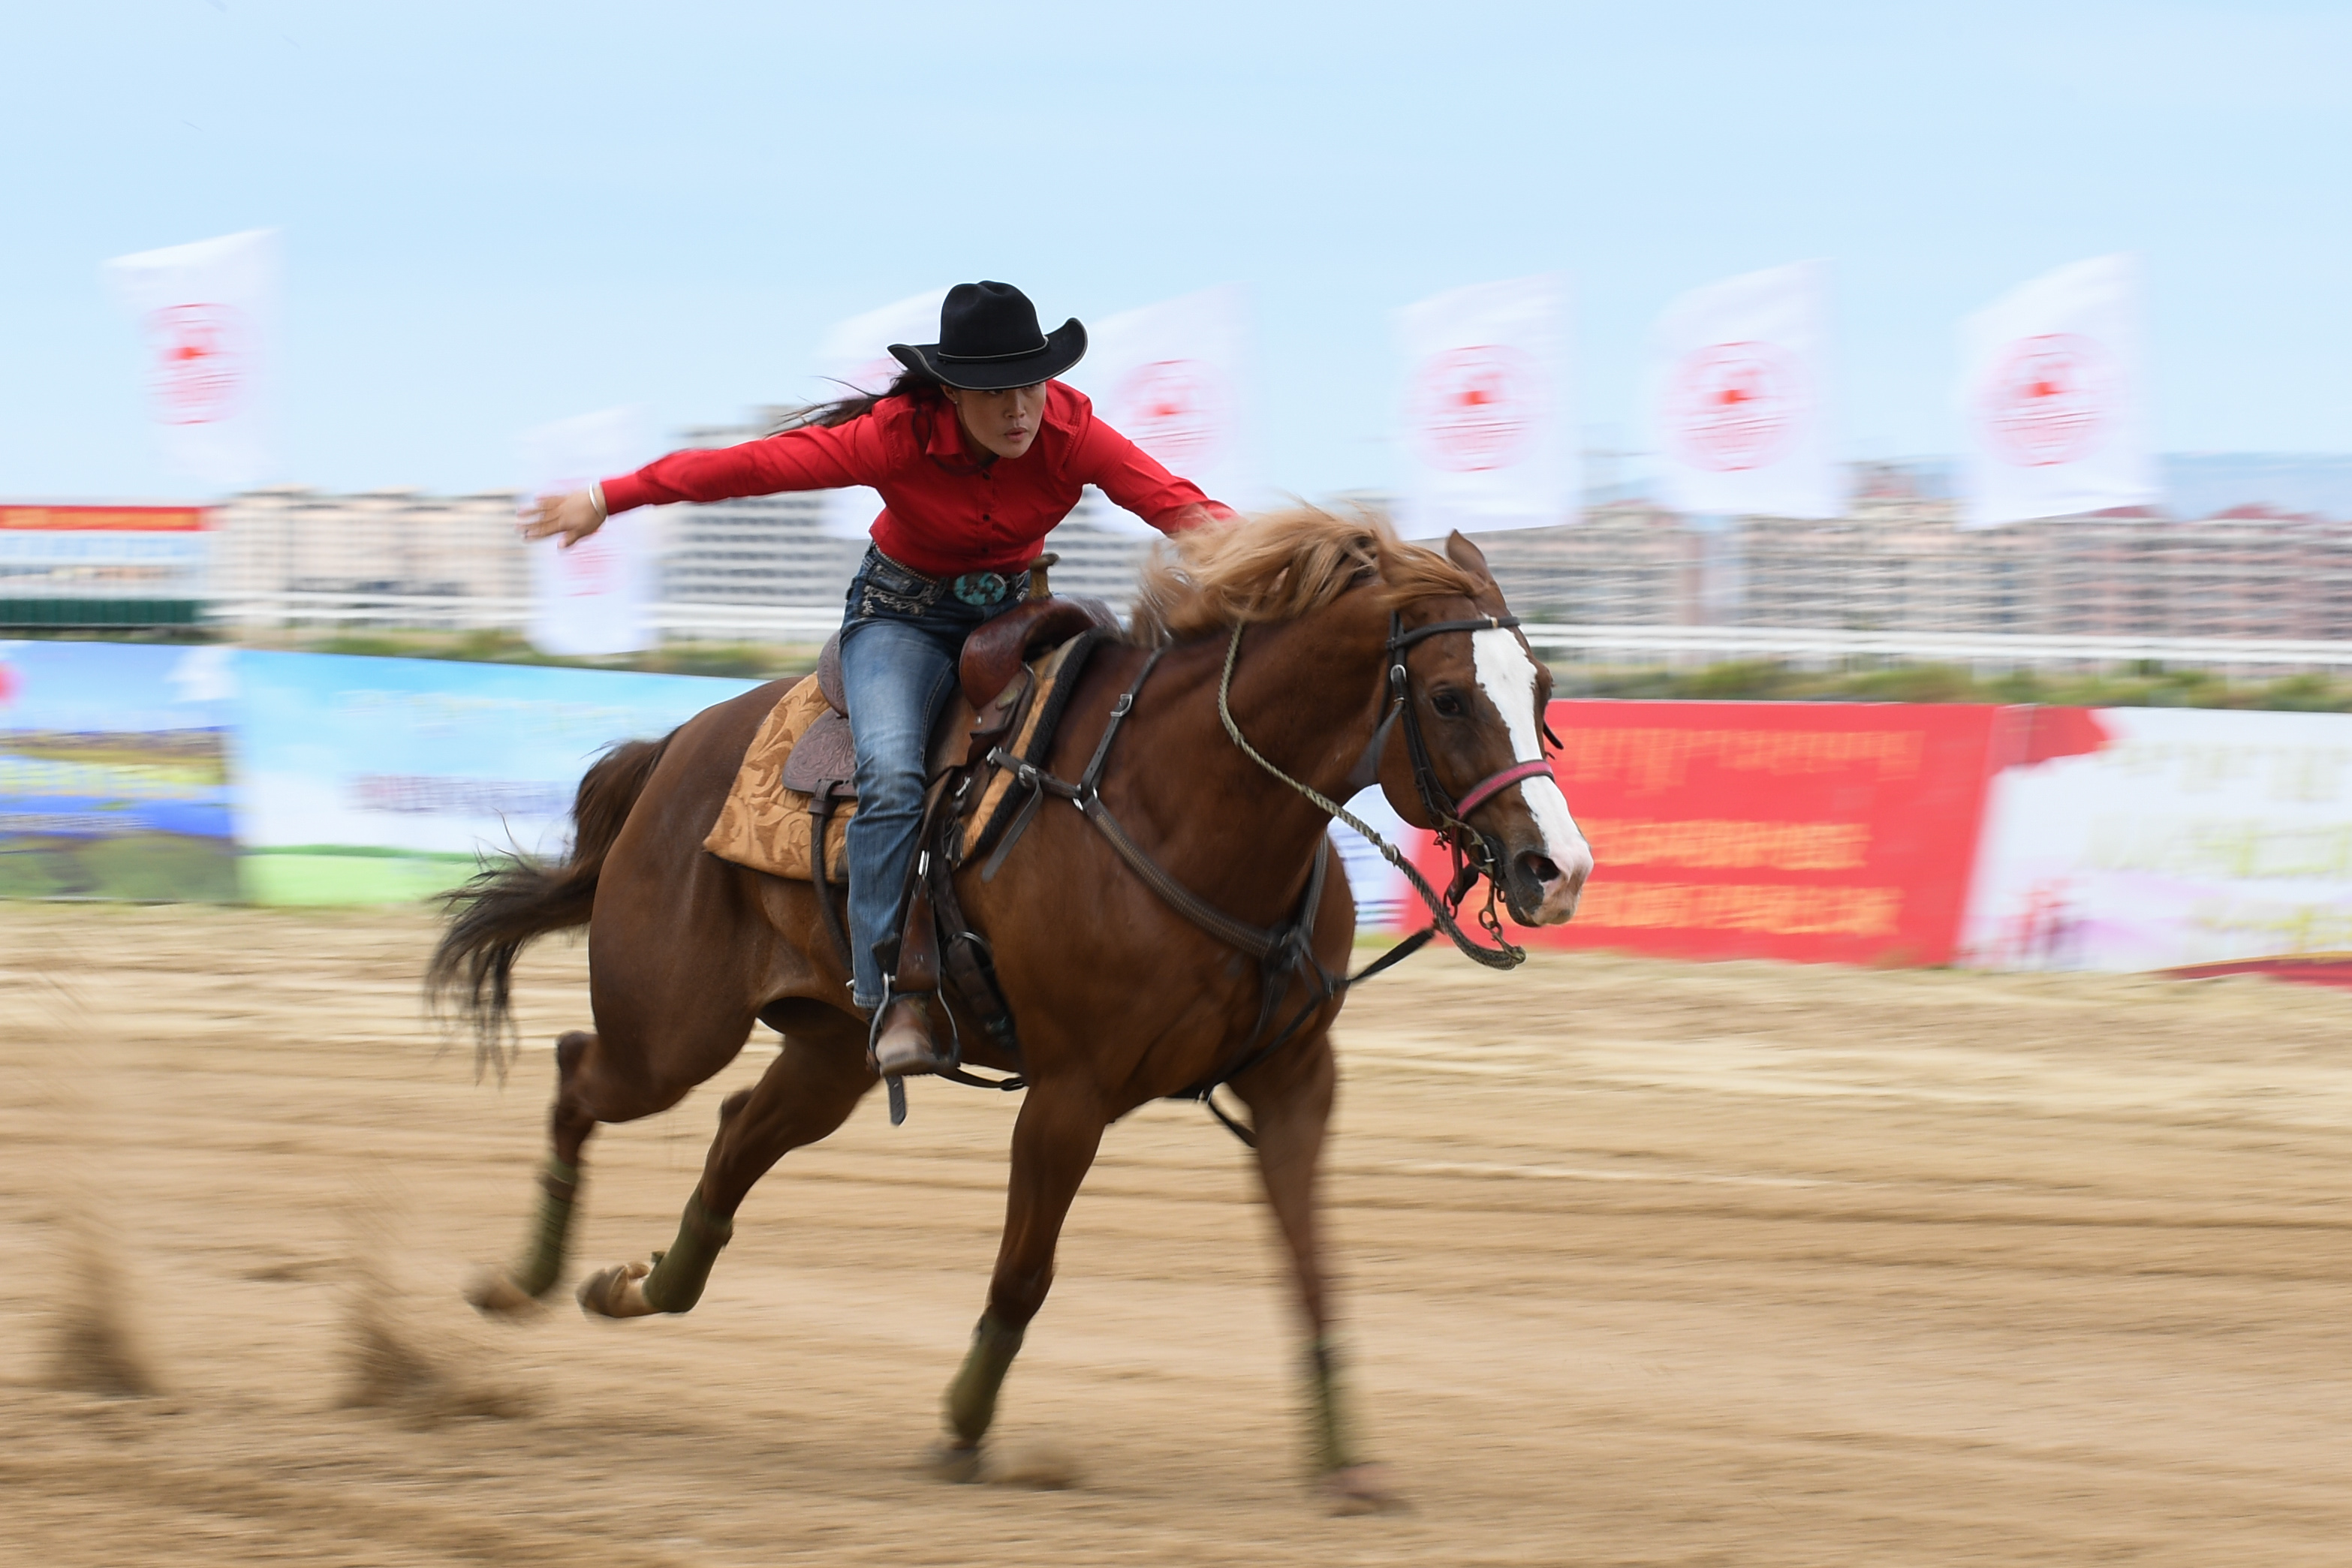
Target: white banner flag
x=1738, y=399
x=1485, y=424
x=1174, y=379
x=598, y=596
x=2050, y=389
x=206, y=313
x=853, y=359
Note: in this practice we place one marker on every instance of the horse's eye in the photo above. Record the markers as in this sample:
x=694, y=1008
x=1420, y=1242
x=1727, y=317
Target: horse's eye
x=1448, y=704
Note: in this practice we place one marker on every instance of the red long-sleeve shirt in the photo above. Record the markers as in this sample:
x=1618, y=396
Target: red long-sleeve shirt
x=943, y=513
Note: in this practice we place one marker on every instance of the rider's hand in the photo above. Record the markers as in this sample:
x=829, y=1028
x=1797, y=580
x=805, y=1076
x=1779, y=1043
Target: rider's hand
x=572, y=517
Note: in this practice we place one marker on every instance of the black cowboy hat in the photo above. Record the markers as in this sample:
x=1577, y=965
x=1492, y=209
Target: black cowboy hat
x=989, y=340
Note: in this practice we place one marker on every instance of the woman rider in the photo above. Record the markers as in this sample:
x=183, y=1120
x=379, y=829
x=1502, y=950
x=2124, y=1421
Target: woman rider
x=978, y=453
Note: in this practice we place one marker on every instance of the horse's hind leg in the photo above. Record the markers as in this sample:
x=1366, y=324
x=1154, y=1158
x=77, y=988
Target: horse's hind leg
x=585, y=1094
x=1290, y=1103
x=806, y=1093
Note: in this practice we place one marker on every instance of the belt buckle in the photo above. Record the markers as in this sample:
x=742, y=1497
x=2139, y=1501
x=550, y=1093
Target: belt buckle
x=980, y=588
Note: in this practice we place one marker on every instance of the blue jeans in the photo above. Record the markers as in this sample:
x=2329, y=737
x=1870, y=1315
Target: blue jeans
x=898, y=646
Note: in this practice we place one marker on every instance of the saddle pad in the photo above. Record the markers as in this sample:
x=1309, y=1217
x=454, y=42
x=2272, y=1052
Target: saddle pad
x=1055, y=676
x=764, y=825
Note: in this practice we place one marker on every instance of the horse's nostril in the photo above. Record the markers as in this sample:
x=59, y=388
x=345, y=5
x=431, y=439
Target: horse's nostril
x=1540, y=867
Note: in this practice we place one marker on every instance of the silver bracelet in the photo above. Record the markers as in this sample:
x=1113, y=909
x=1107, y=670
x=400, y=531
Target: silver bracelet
x=596, y=498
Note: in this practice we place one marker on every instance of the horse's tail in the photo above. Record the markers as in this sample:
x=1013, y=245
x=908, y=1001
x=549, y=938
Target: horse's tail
x=514, y=898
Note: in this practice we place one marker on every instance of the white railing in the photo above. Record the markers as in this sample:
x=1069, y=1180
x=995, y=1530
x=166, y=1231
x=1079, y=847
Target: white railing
x=802, y=623
x=457, y=612
x=440, y=611
x=1600, y=644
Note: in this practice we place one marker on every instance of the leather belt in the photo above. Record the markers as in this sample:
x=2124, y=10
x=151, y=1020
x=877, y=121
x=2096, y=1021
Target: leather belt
x=981, y=589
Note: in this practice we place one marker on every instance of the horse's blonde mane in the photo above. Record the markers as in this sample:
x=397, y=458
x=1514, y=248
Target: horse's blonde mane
x=1280, y=566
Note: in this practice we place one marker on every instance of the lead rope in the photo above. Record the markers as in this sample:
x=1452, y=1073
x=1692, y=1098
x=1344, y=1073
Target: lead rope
x=1504, y=956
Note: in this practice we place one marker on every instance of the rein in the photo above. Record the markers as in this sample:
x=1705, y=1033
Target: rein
x=1452, y=832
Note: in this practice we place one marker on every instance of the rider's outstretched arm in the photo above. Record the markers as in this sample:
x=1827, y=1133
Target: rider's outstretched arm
x=811, y=458
x=1135, y=479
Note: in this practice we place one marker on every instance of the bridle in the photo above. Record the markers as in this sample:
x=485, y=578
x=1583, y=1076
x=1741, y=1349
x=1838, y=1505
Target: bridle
x=1475, y=853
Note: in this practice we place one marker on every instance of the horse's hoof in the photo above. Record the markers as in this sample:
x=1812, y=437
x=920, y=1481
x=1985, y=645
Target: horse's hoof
x=1360, y=1489
x=496, y=1295
x=946, y=1462
x=616, y=1292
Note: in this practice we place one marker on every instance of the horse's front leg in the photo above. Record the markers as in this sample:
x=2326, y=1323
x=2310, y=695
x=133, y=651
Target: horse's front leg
x=1054, y=1144
x=1290, y=1101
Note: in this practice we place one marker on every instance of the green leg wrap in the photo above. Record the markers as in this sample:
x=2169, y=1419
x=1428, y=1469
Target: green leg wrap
x=971, y=1397
x=542, y=1259
x=680, y=1274
x=1330, y=1427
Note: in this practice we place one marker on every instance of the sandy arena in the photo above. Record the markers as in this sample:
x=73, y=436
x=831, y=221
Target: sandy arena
x=1644, y=1263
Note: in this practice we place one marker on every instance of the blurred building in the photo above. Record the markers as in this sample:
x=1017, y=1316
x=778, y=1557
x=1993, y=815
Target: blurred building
x=1905, y=568
x=1897, y=563
x=770, y=551
x=1097, y=559
x=1628, y=563
x=280, y=552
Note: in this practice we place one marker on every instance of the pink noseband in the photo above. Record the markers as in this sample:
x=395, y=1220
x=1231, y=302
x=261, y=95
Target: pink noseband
x=1518, y=772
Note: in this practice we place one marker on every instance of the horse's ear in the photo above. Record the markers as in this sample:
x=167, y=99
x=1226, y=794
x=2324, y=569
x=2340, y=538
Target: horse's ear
x=1467, y=555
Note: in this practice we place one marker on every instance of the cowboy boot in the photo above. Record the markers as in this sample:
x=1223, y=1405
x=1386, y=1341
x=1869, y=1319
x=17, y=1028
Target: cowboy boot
x=903, y=1047
x=903, y=1044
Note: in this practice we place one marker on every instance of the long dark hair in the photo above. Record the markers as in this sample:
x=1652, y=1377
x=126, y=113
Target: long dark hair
x=841, y=411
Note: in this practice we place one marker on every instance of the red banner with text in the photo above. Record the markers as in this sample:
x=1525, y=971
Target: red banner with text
x=1822, y=832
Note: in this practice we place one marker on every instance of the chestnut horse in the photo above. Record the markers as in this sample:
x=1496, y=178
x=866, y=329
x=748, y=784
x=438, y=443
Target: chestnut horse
x=1120, y=999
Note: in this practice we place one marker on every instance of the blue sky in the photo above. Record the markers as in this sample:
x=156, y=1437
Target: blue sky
x=497, y=214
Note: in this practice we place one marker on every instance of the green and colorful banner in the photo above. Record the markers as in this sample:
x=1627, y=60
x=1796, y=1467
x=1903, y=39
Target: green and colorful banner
x=379, y=780
x=115, y=772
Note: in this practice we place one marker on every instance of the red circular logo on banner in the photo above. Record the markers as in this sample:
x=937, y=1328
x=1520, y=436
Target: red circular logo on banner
x=1176, y=409
x=2048, y=400
x=1733, y=406
x=1475, y=407
x=199, y=362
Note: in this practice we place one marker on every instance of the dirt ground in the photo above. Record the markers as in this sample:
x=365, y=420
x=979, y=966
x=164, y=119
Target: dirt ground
x=1644, y=1263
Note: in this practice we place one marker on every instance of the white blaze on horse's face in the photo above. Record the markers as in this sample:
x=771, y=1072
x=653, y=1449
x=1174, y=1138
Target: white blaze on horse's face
x=1508, y=675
